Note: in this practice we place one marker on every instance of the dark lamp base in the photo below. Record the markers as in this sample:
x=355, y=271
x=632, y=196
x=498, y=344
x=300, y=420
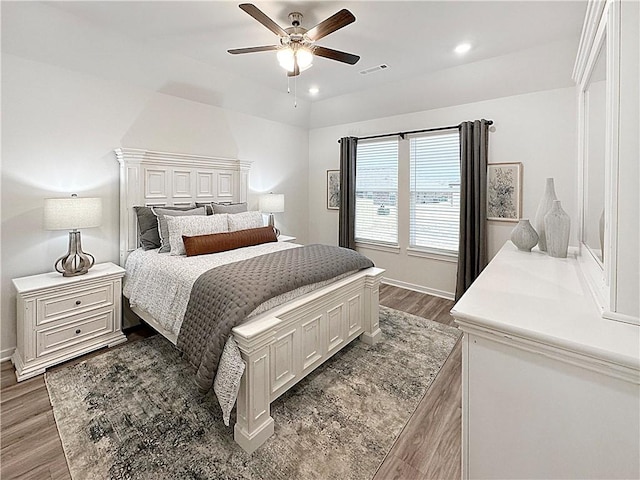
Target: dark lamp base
x=75, y=262
x=272, y=223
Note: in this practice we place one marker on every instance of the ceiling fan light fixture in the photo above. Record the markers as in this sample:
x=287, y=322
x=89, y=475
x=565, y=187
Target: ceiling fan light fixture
x=303, y=56
x=285, y=58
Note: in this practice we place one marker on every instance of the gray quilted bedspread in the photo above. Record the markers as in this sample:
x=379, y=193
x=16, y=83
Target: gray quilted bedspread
x=224, y=296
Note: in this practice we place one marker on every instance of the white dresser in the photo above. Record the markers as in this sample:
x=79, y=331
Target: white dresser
x=60, y=318
x=550, y=388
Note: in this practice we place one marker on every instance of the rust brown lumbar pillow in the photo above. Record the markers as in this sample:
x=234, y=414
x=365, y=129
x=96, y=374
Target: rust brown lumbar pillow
x=221, y=242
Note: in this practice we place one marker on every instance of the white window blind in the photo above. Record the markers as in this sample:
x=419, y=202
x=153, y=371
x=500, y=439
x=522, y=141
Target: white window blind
x=377, y=191
x=435, y=191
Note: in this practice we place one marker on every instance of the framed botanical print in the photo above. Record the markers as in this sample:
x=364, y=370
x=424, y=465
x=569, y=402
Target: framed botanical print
x=504, y=191
x=333, y=189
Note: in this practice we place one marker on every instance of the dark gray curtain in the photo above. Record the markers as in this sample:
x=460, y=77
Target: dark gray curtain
x=347, y=214
x=472, y=251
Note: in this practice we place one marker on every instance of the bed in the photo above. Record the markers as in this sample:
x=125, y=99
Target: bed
x=279, y=343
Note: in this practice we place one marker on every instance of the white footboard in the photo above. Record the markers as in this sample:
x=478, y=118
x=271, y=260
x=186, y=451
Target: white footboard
x=285, y=344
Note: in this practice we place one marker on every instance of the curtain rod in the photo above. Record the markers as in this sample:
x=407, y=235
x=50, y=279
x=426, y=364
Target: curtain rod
x=402, y=134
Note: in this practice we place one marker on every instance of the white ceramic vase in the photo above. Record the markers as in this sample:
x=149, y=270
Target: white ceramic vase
x=524, y=236
x=546, y=202
x=556, y=226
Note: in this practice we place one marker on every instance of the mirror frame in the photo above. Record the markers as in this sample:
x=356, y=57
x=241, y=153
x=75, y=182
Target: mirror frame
x=594, y=134
x=602, y=23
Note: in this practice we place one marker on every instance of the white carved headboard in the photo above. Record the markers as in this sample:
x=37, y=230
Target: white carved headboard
x=160, y=178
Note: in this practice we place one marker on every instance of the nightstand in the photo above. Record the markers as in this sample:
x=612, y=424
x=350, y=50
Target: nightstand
x=60, y=318
x=286, y=238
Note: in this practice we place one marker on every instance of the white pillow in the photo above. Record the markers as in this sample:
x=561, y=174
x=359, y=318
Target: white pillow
x=192, y=226
x=245, y=220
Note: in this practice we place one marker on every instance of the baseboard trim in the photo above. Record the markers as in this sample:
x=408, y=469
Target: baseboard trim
x=419, y=288
x=6, y=354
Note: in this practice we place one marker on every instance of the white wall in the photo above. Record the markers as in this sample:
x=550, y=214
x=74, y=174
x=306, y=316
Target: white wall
x=537, y=129
x=59, y=129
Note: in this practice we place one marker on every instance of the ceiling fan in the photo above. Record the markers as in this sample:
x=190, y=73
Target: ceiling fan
x=297, y=44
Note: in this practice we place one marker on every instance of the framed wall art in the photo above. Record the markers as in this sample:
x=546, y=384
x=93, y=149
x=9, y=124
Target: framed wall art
x=333, y=189
x=504, y=191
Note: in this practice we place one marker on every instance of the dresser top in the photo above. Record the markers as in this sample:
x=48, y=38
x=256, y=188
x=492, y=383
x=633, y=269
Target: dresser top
x=55, y=279
x=545, y=301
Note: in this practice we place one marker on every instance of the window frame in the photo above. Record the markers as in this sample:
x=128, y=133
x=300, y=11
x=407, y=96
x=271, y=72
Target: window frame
x=382, y=245
x=444, y=254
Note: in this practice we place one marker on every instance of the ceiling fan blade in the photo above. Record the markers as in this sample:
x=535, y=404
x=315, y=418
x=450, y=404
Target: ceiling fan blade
x=336, y=55
x=266, y=48
x=256, y=13
x=335, y=22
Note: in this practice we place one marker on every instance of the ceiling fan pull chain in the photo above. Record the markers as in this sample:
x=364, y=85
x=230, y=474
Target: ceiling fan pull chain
x=295, y=92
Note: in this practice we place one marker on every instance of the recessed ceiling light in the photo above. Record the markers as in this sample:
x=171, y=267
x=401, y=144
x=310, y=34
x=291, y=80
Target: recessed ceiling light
x=463, y=48
x=314, y=90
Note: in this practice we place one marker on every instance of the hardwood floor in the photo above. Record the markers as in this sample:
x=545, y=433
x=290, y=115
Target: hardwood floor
x=428, y=448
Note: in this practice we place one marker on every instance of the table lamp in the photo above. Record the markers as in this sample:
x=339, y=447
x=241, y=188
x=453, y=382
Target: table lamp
x=72, y=214
x=272, y=203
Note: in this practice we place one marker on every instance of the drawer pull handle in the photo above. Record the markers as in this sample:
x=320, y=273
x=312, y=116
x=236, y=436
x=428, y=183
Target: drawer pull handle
x=78, y=302
x=78, y=331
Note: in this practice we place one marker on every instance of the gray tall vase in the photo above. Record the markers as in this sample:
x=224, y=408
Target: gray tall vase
x=557, y=225
x=546, y=202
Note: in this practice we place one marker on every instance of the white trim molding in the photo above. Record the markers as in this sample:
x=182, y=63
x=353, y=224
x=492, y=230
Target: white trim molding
x=6, y=354
x=440, y=255
x=419, y=288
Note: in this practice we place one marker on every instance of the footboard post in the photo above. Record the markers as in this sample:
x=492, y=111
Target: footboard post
x=371, y=319
x=254, y=424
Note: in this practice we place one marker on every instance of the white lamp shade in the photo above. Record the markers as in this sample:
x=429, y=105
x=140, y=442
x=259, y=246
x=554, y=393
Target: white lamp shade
x=272, y=203
x=72, y=213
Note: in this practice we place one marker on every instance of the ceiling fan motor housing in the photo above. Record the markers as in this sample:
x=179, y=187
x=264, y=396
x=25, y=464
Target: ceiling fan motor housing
x=295, y=18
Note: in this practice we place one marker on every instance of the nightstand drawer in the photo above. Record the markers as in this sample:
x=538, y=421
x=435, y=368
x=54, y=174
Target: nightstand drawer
x=59, y=305
x=53, y=339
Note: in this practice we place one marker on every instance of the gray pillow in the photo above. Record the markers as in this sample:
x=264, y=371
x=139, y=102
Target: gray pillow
x=229, y=207
x=163, y=229
x=207, y=206
x=148, y=226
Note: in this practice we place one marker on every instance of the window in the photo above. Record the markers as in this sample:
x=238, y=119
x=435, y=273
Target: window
x=435, y=191
x=377, y=191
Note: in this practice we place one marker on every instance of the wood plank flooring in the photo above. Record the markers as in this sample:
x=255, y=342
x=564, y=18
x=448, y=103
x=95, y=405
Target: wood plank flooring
x=428, y=448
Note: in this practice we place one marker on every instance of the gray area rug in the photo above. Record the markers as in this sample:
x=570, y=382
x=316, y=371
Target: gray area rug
x=134, y=412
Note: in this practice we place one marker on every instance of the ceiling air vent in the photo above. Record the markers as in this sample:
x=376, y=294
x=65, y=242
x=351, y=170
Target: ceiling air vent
x=377, y=68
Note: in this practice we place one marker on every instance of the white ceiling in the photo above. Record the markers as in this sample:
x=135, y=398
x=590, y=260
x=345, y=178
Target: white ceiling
x=160, y=37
